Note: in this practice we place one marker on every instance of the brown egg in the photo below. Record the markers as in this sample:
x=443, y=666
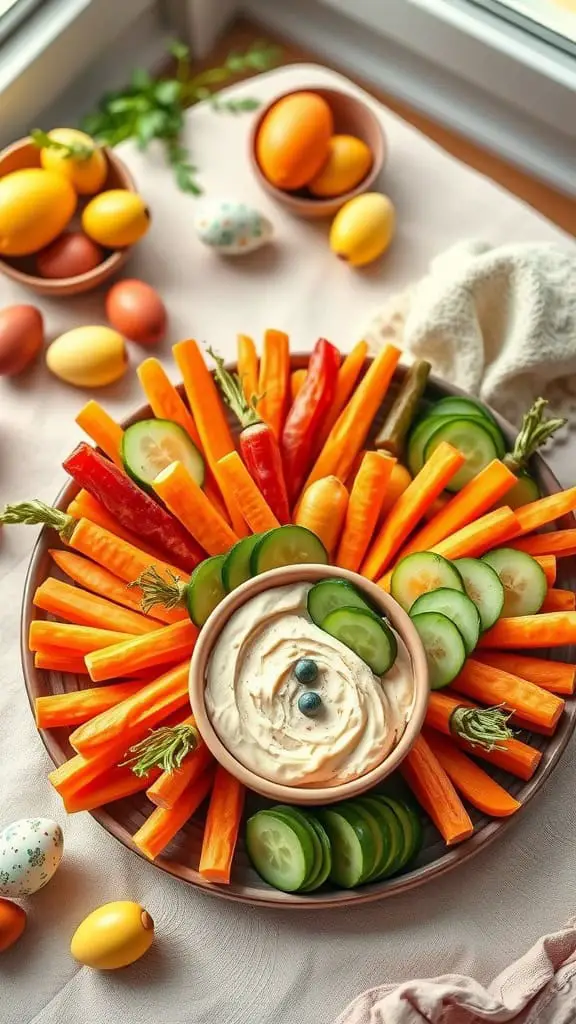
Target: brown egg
x=136, y=310
x=21, y=338
x=70, y=255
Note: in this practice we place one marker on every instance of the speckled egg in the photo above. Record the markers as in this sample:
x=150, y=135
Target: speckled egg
x=30, y=852
x=230, y=227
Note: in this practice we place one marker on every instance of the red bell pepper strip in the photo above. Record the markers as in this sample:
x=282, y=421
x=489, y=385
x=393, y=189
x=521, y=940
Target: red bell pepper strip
x=134, y=509
x=258, y=446
x=305, y=417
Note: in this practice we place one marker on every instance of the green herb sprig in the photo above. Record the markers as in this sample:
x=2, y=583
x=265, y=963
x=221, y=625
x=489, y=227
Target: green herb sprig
x=70, y=150
x=150, y=109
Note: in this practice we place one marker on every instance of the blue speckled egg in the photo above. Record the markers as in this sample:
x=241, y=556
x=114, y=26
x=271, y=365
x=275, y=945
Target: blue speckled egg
x=30, y=852
x=230, y=227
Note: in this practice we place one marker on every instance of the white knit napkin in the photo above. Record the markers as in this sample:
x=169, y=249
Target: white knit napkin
x=499, y=322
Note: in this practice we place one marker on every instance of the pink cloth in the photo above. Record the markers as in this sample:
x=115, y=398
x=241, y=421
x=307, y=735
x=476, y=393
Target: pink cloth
x=540, y=988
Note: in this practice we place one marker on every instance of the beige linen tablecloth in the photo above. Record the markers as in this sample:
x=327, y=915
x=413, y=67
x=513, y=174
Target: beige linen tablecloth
x=215, y=961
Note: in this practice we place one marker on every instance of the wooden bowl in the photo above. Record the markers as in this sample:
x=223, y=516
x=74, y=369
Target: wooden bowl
x=310, y=794
x=351, y=117
x=23, y=154
x=123, y=817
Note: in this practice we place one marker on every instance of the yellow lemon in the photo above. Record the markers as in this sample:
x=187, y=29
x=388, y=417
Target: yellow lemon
x=363, y=229
x=113, y=936
x=88, y=357
x=116, y=218
x=86, y=173
x=35, y=207
x=349, y=160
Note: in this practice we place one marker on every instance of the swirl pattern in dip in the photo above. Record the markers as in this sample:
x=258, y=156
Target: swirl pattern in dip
x=252, y=696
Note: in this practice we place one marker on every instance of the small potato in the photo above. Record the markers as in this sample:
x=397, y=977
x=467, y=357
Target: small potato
x=88, y=357
x=136, y=310
x=12, y=923
x=69, y=256
x=21, y=338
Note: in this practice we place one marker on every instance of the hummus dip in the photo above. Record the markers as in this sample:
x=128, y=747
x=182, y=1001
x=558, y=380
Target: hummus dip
x=252, y=695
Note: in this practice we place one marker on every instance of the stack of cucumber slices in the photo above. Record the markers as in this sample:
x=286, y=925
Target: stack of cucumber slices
x=348, y=844
x=221, y=574
x=452, y=603
x=338, y=607
x=469, y=427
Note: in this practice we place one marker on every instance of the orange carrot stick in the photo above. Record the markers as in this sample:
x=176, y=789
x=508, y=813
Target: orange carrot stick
x=444, y=462
x=274, y=380
x=548, y=565
x=550, y=629
x=247, y=367
x=84, y=506
x=98, y=580
x=187, y=501
x=555, y=676
x=78, y=771
x=366, y=497
x=77, y=639
x=473, y=540
x=165, y=645
x=496, y=686
x=545, y=510
x=122, y=559
x=297, y=378
x=471, y=781
x=78, y=606
x=477, y=497
x=162, y=825
x=128, y=721
x=169, y=786
x=512, y=755
x=348, y=374
x=559, y=601
x=222, y=827
x=104, y=431
x=255, y=510
x=557, y=542
x=60, y=709
x=56, y=659
x=351, y=429
x=210, y=419
x=114, y=783
x=166, y=404
x=436, y=794
x=322, y=509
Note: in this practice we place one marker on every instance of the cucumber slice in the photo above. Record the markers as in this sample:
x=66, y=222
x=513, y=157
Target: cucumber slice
x=205, y=589
x=287, y=545
x=353, y=854
x=280, y=850
x=524, y=491
x=472, y=437
x=444, y=646
x=290, y=814
x=420, y=572
x=391, y=837
x=373, y=825
x=326, y=867
x=149, y=446
x=523, y=579
x=457, y=607
x=457, y=406
x=418, y=439
x=411, y=826
x=365, y=634
x=327, y=595
x=483, y=586
x=236, y=565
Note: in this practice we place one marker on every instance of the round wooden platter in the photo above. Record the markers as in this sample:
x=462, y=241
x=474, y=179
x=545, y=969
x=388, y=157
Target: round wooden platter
x=123, y=817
